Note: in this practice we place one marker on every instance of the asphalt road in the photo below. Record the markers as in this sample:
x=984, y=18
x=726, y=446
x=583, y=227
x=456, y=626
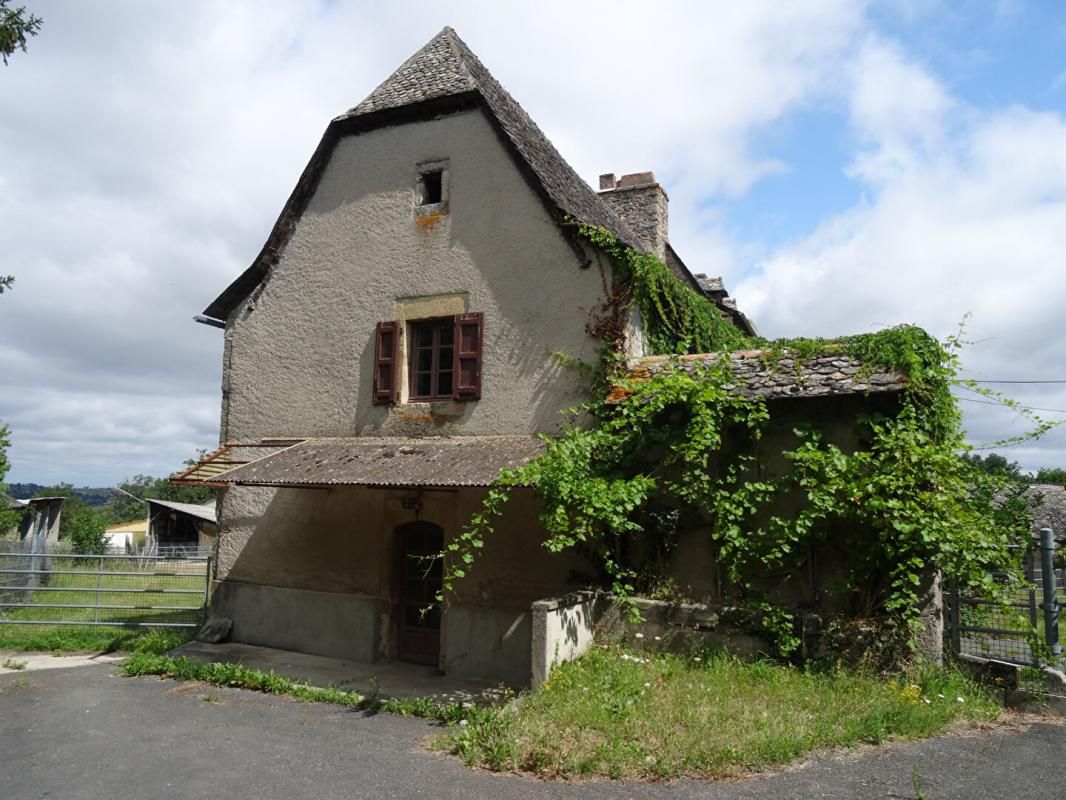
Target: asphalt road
x=86, y=733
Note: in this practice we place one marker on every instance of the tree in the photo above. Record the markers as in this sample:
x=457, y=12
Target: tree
x=995, y=464
x=7, y=517
x=16, y=26
x=86, y=531
x=1054, y=475
x=123, y=507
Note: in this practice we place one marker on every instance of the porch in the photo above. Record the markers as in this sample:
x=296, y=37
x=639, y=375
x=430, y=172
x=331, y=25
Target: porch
x=392, y=679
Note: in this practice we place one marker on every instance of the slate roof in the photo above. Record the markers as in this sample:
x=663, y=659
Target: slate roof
x=389, y=461
x=443, y=76
x=1050, y=512
x=827, y=375
x=446, y=66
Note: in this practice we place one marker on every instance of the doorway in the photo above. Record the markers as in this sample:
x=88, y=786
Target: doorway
x=420, y=571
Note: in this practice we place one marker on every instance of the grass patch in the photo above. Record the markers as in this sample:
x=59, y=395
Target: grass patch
x=59, y=640
x=619, y=714
x=13, y=664
x=234, y=675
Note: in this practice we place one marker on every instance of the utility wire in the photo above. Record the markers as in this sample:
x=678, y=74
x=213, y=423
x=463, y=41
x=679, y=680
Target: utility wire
x=1027, y=408
x=1056, y=381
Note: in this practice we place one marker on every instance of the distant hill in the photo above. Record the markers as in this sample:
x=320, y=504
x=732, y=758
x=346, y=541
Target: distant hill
x=92, y=496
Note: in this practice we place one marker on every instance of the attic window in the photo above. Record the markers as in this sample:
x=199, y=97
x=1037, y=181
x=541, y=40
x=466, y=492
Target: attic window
x=431, y=188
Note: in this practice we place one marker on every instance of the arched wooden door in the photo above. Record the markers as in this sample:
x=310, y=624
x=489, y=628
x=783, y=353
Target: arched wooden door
x=420, y=545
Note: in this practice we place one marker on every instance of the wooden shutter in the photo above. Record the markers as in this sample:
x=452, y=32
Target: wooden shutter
x=469, y=332
x=386, y=354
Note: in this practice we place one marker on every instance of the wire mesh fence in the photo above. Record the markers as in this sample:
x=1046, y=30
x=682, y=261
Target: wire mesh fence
x=71, y=589
x=1017, y=622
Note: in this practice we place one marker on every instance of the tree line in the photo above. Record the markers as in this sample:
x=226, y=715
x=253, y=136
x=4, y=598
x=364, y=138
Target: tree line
x=996, y=464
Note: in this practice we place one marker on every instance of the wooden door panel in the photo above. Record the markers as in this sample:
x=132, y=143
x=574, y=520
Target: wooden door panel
x=420, y=582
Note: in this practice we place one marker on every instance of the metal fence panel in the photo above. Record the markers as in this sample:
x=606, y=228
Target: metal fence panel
x=153, y=591
x=1024, y=628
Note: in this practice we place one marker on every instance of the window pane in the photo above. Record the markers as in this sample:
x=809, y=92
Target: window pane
x=424, y=361
x=420, y=337
x=444, y=383
x=423, y=384
x=447, y=333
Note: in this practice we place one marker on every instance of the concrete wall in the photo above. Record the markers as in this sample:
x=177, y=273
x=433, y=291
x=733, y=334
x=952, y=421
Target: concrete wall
x=563, y=629
x=299, y=351
x=323, y=623
x=298, y=566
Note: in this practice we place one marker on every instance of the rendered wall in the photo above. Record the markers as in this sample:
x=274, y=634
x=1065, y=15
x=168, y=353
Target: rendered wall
x=299, y=351
x=313, y=570
x=330, y=624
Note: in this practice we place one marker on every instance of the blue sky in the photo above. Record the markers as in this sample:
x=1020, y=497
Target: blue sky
x=989, y=55
x=845, y=166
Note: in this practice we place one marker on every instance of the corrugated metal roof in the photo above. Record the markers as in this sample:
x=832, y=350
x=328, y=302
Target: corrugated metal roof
x=205, y=471
x=429, y=461
x=204, y=512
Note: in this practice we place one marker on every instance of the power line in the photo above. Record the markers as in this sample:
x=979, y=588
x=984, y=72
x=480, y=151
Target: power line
x=1056, y=381
x=1027, y=408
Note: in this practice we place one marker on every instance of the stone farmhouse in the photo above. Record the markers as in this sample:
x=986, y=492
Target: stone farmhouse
x=394, y=346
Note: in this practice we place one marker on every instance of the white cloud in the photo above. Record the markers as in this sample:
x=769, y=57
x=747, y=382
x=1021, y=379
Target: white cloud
x=146, y=149
x=968, y=221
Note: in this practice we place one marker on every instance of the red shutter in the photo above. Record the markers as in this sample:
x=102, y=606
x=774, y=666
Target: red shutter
x=469, y=332
x=386, y=354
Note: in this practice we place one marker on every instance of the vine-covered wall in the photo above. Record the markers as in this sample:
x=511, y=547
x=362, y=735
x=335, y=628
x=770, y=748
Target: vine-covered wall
x=874, y=485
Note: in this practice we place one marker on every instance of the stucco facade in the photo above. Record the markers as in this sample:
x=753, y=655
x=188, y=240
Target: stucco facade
x=313, y=569
x=299, y=351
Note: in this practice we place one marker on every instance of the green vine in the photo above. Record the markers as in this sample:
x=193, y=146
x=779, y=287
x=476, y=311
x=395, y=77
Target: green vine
x=903, y=504
x=675, y=319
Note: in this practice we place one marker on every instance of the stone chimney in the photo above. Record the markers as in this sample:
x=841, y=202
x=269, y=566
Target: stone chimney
x=642, y=204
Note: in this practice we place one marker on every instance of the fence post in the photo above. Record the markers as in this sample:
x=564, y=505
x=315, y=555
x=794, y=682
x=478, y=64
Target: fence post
x=99, y=586
x=207, y=589
x=1030, y=578
x=954, y=618
x=1051, y=603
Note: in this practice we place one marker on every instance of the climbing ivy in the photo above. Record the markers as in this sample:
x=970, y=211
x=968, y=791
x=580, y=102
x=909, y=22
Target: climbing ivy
x=904, y=503
x=675, y=319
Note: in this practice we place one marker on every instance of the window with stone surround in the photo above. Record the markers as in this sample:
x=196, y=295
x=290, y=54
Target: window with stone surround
x=443, y=359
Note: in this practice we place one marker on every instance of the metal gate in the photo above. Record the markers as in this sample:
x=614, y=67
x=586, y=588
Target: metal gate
x=48, y=588
x=1022, y=627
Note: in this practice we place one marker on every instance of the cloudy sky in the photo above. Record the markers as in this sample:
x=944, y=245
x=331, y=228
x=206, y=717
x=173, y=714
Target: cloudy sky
x=845, y=167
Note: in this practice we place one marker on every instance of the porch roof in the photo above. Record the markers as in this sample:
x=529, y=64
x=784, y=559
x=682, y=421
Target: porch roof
x=373, y=461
